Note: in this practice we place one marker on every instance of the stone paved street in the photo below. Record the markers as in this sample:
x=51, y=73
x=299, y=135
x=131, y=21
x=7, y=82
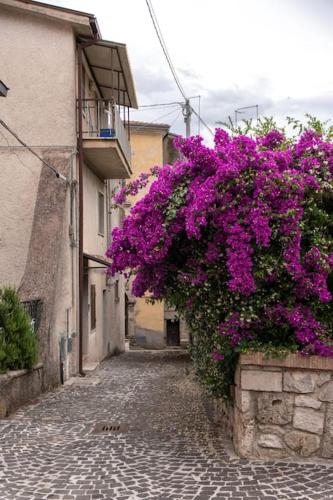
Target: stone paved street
x=170, y=450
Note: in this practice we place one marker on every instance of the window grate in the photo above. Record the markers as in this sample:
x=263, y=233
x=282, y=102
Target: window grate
x=34, y=309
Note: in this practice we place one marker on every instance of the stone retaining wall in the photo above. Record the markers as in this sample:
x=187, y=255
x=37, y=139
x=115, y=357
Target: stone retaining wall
x=283, y=407
x=19, y=387
x=220, y=413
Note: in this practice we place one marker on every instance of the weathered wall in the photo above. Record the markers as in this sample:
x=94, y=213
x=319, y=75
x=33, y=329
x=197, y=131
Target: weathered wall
x=19, y=387
x=93, y=242
x=283, y=407
x=38, y=64
x=109, y=335
x=46, y=276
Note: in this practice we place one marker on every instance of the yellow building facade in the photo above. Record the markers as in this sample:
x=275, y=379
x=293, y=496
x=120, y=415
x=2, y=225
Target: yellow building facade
x=153, y=326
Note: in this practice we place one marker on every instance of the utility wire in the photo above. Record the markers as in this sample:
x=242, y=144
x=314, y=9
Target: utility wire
x=53, y=169
x=202, y=121
x=156, y=119
x=171, y=66
x=178, y=115
x=164, y=48
x=16, y=154
x=160, y=105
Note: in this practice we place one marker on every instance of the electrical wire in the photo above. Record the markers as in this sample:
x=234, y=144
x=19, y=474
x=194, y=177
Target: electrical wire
x=58, y=174
x=151, y=108
x=202, y=121
x=171, y=66
x=164, y=48
x=178, y=115
x=158, y=118
x=15, y=153
x=160, y=105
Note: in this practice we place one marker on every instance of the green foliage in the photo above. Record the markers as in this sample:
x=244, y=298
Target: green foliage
x=18, y=342
x=293, y=128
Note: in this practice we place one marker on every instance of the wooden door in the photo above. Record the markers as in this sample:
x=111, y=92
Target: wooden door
x=173, y=333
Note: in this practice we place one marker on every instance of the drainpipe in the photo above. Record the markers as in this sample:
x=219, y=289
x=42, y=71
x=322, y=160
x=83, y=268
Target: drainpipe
x=80, y=179
x=81, y=46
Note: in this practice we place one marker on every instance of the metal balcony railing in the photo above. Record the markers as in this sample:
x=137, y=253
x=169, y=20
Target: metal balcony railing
x=101, y=119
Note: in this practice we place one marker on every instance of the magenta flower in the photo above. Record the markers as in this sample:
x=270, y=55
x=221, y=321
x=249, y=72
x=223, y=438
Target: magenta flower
x=243, y=226
x=217, y=356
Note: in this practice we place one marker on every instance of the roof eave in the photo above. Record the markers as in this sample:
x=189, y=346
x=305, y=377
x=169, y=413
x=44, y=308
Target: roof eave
x=84, y=24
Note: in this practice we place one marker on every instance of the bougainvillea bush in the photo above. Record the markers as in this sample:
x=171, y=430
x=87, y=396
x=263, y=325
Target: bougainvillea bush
x=239, y=239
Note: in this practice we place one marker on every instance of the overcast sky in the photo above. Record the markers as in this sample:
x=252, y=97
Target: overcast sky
x=234, y=53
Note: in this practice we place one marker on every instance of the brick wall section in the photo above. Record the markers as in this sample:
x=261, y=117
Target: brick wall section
x=283, y=407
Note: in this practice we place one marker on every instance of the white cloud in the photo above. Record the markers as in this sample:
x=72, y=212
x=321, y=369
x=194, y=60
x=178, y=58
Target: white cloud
x=274, y=53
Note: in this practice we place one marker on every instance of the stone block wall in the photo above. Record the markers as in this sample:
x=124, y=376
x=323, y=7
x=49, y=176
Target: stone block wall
x=283, y=407
x=19, y=387
x=220, y=413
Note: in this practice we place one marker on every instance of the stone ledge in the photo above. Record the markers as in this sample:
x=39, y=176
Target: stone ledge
x=18, y=387
x=289, y=361
x=12, y=374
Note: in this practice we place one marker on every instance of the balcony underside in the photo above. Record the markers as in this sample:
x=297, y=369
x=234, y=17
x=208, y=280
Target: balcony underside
x=105, y=158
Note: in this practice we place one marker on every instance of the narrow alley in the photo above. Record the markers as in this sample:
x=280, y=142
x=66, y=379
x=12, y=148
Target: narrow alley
x=169, y=448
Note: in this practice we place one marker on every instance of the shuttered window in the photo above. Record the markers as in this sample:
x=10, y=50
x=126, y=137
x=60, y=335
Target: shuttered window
x=101, y=213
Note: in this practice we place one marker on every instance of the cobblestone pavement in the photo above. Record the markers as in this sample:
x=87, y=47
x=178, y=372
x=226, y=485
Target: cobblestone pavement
x=170, y=450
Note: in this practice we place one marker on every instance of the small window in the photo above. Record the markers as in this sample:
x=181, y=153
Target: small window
x=92, y=307
x=101, y=212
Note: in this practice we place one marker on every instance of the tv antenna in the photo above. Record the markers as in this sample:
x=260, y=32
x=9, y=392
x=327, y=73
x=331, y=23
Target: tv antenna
x=241, y=111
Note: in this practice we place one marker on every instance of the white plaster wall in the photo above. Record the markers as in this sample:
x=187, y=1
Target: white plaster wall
x=96, y=342
x=109, y=335
x=93, y=242
x=67, y=292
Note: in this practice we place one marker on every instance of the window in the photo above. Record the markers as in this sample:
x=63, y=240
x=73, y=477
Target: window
x=101, y=212
x=92, y=307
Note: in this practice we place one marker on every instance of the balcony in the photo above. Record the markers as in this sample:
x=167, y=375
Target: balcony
x=106, y=147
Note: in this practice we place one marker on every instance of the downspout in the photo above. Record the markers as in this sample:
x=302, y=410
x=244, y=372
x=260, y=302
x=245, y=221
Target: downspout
x=80, y=178
x=81, y=46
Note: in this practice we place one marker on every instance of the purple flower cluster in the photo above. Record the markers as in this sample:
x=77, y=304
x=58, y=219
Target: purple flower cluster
x=224, y=214
x=236, y=329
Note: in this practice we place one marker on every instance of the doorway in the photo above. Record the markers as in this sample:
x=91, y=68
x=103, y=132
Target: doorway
x=172, y=332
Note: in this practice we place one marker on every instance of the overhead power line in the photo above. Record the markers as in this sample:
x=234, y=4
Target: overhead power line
x=53, y=169
x=164, y=48
x=160, y=105
x=202, y=121
x=187, y=108
x=157, y=119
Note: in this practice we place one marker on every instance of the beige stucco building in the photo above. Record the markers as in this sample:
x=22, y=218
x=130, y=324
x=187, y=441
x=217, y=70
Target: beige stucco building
x=152, y=325
x=68, y=88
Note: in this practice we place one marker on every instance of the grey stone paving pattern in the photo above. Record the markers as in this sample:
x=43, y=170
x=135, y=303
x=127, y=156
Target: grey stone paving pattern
x=171, y=450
